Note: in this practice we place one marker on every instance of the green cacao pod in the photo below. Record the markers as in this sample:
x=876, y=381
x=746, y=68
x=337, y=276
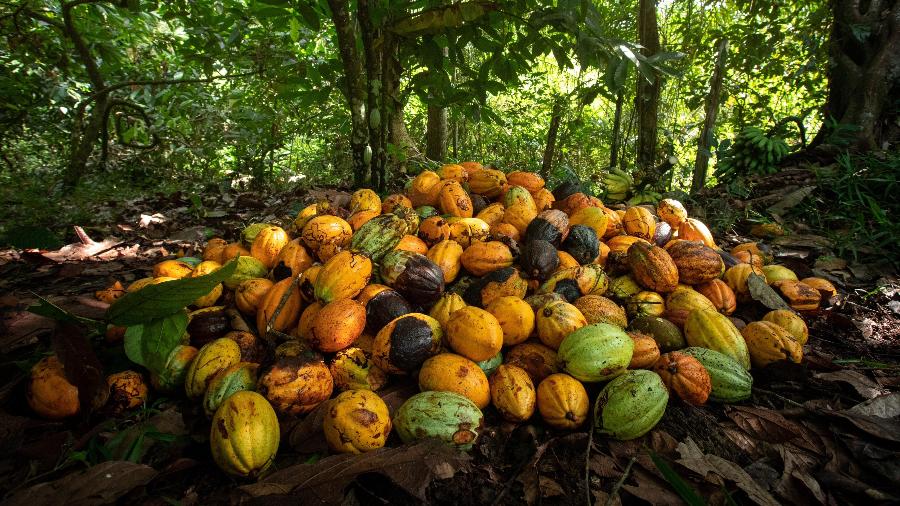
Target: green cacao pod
x=244, y=436
x=173, y=374
x=490, y=365
x=730, y=382
x=379, y=236
x=630, y=405
x=447, y=416
x=239, y=377
x=596, y=352
x=713, y=330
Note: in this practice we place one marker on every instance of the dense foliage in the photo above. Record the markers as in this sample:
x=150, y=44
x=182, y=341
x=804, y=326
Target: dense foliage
x=251, y=88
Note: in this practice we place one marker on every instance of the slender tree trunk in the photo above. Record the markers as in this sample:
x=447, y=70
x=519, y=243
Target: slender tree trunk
x=647, y=93
x=865, y=71
x=377, y=112
x=404, y=145
x=712, y=110
x=617, y=127
x=360, y=151
x=84, y=134
x=436, y=133
x=436, y=130
x=552, y=132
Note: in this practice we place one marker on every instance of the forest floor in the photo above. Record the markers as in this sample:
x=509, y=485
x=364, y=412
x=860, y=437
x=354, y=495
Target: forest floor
x=826, y=431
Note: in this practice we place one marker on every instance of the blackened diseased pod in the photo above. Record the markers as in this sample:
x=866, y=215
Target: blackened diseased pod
x=385, y=306
x=413, y=275
x=538, y=259
x=551, y=225
x=406, y=342
x=582, y=243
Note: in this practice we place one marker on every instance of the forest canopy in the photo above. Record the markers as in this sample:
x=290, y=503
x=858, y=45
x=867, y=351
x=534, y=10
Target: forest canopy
x=150, y=94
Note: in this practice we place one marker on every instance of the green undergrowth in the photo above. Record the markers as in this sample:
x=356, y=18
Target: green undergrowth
x=856, y=206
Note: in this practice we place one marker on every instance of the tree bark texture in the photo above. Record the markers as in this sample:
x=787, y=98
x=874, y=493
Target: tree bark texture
x=701, y=164
x=865, y=70
x=377, y=112
x=436, y=133
x=617, y=128
x=552, y=132
x=647, y=93
x=356, y=90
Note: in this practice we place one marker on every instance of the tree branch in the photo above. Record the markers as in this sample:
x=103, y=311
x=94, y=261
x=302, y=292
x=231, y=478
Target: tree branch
x=150, y=82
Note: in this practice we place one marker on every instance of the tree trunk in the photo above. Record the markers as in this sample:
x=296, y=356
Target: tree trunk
x=550, y=148
x=436, y=133
x=647, y=94
x=864, y=71
x=617, y=127
x=377, y=112
x=356, y=90
x=712, y=110
x=84, y=135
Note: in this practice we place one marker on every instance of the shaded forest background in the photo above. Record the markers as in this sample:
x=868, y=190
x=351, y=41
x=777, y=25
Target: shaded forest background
x=108, y=100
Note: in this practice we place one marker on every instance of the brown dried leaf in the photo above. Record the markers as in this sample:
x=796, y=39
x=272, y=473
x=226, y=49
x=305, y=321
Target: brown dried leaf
x=604, y=466
x=764, y=424
x=550, y=488
x=83, y=368
x=715, y=468
x=796, y=483
x=411, y=467
x=651, y=489
x=860, y=382
x=307, y=436
x=693, y=458
x=102, y=484
x=865, y=416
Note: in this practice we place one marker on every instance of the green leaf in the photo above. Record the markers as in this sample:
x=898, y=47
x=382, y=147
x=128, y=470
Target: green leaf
x=685, y=491
x=164, y=299
x=310, y=16
x=28, y=237
x=151, y=343
x=45, y=308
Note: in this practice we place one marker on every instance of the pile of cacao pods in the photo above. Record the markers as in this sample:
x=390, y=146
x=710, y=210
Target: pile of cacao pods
x=485, y=287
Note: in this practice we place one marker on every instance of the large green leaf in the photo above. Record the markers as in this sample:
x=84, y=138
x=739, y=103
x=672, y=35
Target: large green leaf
x=149, y=344
x=164, y=299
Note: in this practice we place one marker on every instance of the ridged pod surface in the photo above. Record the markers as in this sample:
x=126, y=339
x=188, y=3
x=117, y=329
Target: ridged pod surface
x=447, y=416
x=244, y=435
x=713, y=330
x=562, y=401
x=596, y=352
x=730, y=381
x=512, y=393
x=357, y=421
x=631, y=405
x=449, y=372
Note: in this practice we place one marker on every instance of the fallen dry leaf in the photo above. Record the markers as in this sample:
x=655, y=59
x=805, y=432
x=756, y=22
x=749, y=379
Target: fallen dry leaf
x=764, y=424
x=411, y=467
x=860, y=382
x=651, y=489
x=797, y=469
x=705, y=464
x=98, y=485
